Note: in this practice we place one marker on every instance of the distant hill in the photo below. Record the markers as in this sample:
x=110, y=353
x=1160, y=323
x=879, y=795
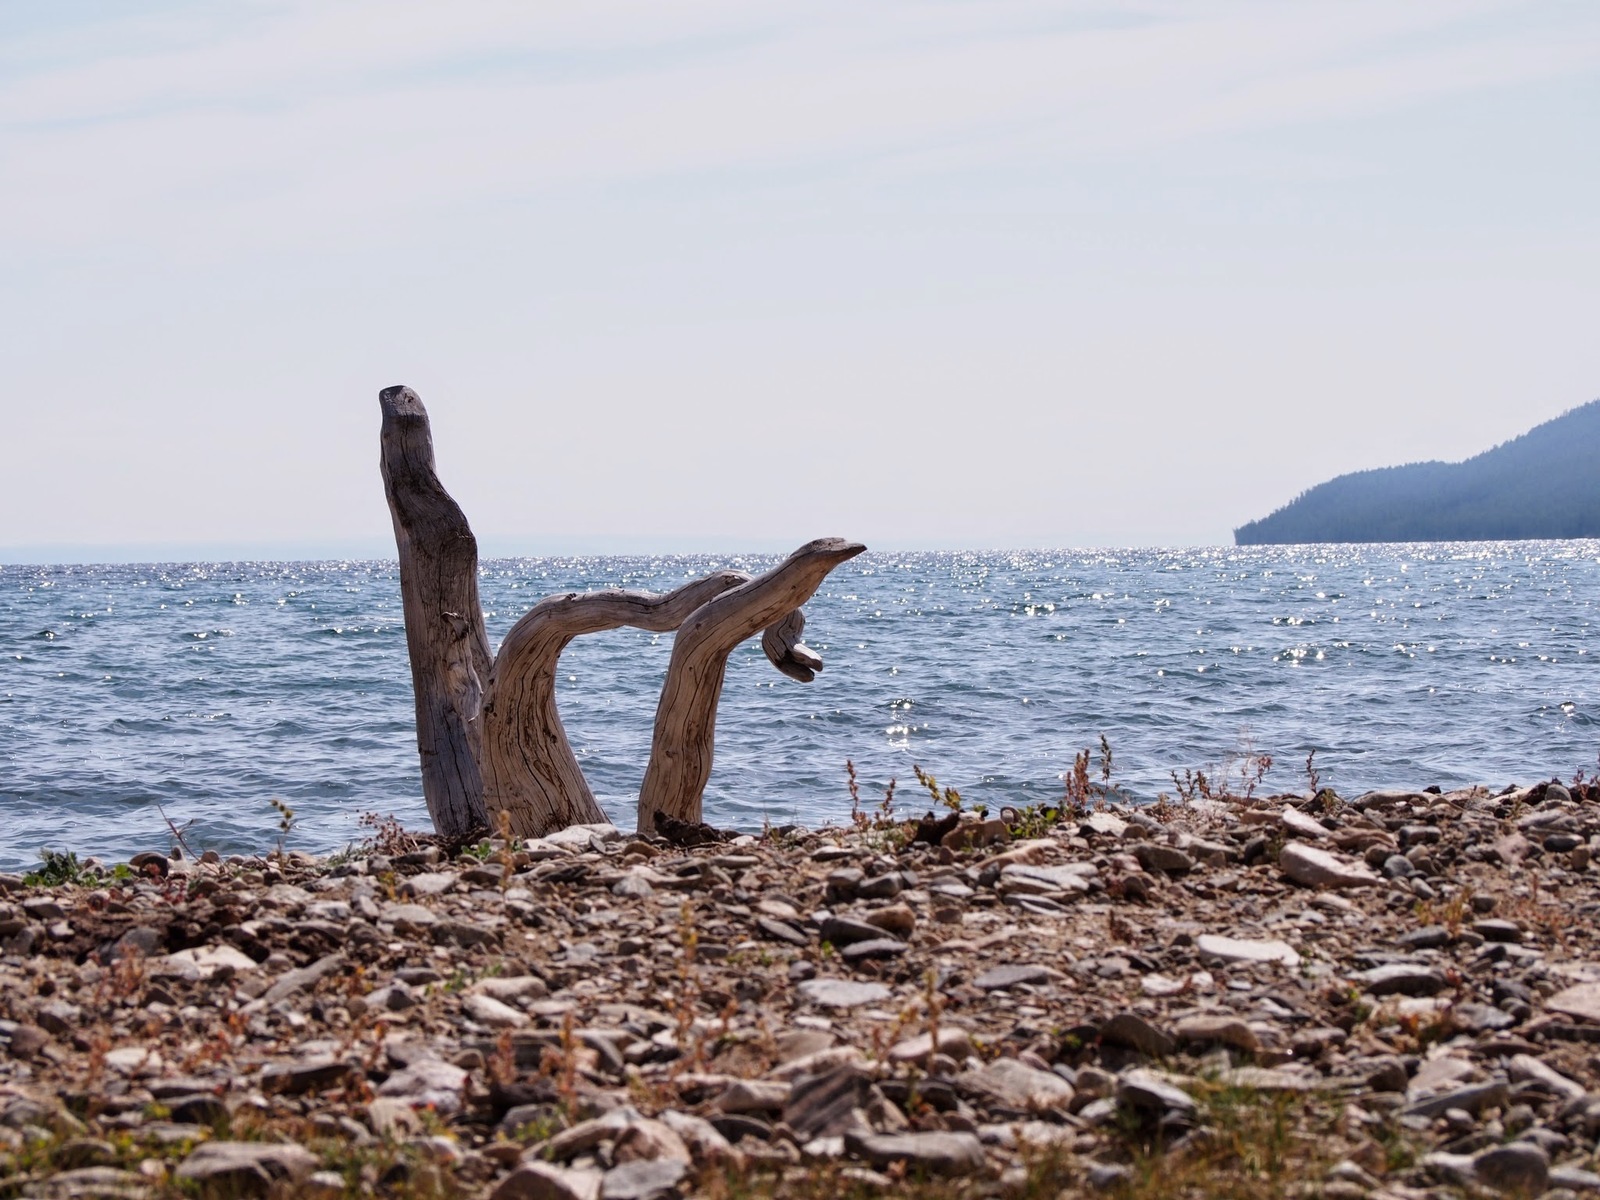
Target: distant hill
x=1544, y=484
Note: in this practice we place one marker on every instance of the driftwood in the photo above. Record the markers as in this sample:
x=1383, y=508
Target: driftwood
x=492, y=744
x=444, y=620
x=686, y=717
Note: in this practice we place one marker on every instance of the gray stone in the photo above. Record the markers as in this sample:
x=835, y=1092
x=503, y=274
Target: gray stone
x=879, y=947
x=1473, y=1098
x=1147, y=1091
x=303, y=1075
x=846, y=931
x=1217, y=948
x=1574, y=1179
x=827, y=1104
x=843, y=993
x=997, y=979
x=1016, y=1085
x=291, y=982
x=1526, y=1068
x=938, y=1153
x=1497, y=930
x=1517, y=1167
x=429, y=883
x=781, y=931
x=1403, y=979
x=1218, y=1030
x=1157, y=858
x=1581, y=1000
x=1133, y=1031
x=1312, y=866
x=1073, y=878
x=643, y=1179
x=245, y=1168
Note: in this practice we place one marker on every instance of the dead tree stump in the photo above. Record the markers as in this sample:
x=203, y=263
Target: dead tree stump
x=492, y=744
x=444, y=620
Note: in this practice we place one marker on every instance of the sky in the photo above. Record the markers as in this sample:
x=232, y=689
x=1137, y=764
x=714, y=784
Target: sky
x=709, y=275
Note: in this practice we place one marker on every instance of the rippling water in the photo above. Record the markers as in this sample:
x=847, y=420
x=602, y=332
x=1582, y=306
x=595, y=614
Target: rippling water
x=206, y=689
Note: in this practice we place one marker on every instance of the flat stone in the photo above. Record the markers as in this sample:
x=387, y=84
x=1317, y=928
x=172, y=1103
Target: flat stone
x=1521, y=1168
x=408, y=918
x=511, y=987
x=843, y=993
x=428, y=1081
x=298, y=980
x=1072, y=879
x=429, y=883
x=585, y=1135
x=246, y=1168
x=634, y=884
x=827, y=1104
x=496, y=1014
x=1404, y=979
x=1016, y=1085
x=753, y=1096
x=535, y=1180
x=1302, y=825
x=92, y=1183
x=919, y=1049
x=1574, y=1179
x=643, y=1179
x=1218, y=1030
x=998, y=979
x=1131, y=1030
x=895, y=919
x=846, y=931
x=1473, y=1098
x=1498, y=931
x=1312, y=866
x=1148, y=1091
x=1429, y=937
x=937, y=1153
x=1581, y=1000
x=208, y=960
x=781, y=931
x=134, y=1060
x=1227, y=949
x=879, y=947
x=1162, y=859
x=303, y=1075
x=1526, y=1068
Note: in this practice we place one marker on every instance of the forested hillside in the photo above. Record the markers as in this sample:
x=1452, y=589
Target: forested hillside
x=1544, y=484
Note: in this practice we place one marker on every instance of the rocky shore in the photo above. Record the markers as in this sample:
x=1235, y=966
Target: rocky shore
x=1391, y=995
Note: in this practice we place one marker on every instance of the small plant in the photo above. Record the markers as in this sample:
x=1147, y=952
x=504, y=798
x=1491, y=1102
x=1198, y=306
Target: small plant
x=1083, y=792
x=1313, y=776
x=286, y=820
x=55, y=869
x=948, y=797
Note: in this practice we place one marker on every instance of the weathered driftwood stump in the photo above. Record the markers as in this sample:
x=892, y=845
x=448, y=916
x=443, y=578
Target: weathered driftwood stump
x=492, y=744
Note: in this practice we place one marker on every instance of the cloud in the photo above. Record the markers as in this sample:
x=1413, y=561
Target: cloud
x=334, y=120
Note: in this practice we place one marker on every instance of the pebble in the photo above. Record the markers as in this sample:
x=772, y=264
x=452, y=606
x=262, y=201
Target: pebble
x=1218, y=948
x=1312, y=866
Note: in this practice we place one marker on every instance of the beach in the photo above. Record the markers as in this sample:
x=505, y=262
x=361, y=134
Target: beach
x=1390, y=995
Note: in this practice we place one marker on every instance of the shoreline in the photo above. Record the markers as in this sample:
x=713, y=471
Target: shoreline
x=1392, y=996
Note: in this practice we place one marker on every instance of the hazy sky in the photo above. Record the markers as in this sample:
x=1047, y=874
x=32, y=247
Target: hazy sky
x=737, y=274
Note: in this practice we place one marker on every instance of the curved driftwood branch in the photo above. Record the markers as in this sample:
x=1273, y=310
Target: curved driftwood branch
x=530, y=772
x=782, y=645
x=682, y=746
x=444, y=619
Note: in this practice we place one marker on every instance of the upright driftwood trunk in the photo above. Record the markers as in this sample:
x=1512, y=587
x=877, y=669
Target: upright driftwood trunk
x=491, y=740
x=444, y=619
